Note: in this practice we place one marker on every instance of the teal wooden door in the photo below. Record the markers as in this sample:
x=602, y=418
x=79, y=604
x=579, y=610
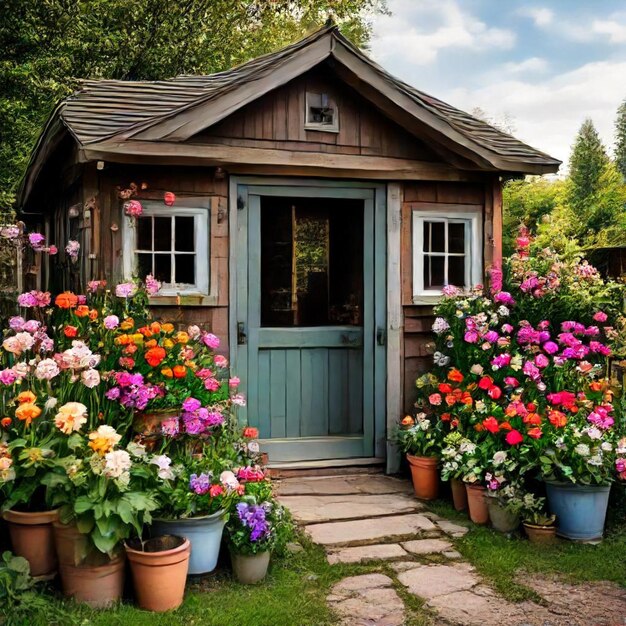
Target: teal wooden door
x=310, y=319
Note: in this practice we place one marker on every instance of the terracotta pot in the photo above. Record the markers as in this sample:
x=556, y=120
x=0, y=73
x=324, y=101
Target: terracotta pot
x=250, y=569
x=459, y=494
x=159, y=568
x=540, y=534
x=98, y=586
x=425, y=476
x=477, y=504
x=32, y=538
x=147, y=424
x=73, y=548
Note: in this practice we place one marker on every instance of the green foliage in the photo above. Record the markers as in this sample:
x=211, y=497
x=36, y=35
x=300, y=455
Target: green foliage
x=620, y=139
x=48, y=46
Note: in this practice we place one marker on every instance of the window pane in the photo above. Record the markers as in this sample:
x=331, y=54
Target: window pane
x=433, y=271
x=185, y=238
x=163, y=267
x=144, y=233
x=456, y=237
x=186, y=268
x=456, y=271
x=162, y=233
x=434, y=236
x=144, y=264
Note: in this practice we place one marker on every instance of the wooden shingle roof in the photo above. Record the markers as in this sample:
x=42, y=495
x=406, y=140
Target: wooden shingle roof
x=104, y=114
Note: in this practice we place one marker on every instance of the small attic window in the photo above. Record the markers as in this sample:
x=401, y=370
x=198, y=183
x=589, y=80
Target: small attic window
x=321, y=113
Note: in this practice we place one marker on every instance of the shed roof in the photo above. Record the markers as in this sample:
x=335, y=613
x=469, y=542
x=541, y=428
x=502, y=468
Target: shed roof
x=103, y=114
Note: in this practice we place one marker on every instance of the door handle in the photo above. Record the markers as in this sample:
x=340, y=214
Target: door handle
x=241, y=334
x=381, y=336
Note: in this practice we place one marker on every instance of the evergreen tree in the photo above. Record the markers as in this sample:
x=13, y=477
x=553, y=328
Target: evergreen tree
x=620, y=139
x=587, y=164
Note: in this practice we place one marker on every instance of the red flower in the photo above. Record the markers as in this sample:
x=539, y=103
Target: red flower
x=70, y=331
x=531, y=406
x=532, y=418
x=557, y=418
x=445, y=388
x=485, y=382
x=506, y=426
x=535, y=433
x=491, y=424
x=249, y=432
x=445, y=417
x=494, y=392
x=514, y=438
x=216, y=490
x=169, y=198
x=155, y=356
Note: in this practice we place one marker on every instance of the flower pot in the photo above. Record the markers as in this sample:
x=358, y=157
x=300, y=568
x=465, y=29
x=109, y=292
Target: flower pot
x=501, y=519
x=250, y=569
x=73, y=548
x=580, y=509
x=159, y=568
x=476, y=503
x=204, y=534
x=540, y=534
x=425, y=476
x=32, y=538
x=459, y=494
x=147, y=424
x=98, y=586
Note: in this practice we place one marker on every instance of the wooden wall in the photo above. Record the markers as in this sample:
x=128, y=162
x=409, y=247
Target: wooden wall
x=417, y=342
x=277, y=121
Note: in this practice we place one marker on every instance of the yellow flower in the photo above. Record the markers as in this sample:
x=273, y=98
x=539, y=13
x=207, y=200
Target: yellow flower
x=167, y=372
x=168, y=344
x=167, y=328
x=137, y=338
x=104, y=439
x=127, y=324
x=182, y=337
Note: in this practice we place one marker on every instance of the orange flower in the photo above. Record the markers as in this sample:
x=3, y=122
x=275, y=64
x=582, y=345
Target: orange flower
x=26, y=396
x=145, y=331
x=154, y=356
x=82, y=311
x=167, y=372
x=6, y=422
x=596, y=385
x=70, y=331
x=93, y=315
x=27, y=412
x=252, y=433
x=66, y=300
x=151, y=343
x=506, y=426
x=532, y=418
x=455, y=376
x=123, y=340
x=155, y=327
x=167, y=328
x=467, y=398
x=450, y=399
x=131, y=348
x=535, y=433
x=182, y=337
x=127, y=324
x=557, y=418
x=179, y=371
x=407, y=420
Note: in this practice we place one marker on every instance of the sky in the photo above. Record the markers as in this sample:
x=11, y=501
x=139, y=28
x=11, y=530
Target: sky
x=545, y=64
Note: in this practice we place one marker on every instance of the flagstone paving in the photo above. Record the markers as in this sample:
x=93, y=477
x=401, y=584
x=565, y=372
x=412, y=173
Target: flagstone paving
x=376, y=519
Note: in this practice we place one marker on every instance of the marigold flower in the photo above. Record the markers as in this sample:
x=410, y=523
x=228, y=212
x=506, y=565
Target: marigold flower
x=249, y=432
x=82, y=311
x=455, y=375
x=127, y=324
x=151, y=343
x=154, y=356
x=167, y=328
x=179, y=371
x=26, y=396
x=167, y=372
x=27, y=412
x=66, y=300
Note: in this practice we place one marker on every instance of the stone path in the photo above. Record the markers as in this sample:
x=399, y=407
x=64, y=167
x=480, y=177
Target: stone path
x=376, y=519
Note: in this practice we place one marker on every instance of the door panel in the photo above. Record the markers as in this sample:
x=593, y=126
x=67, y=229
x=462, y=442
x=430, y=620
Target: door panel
x=309, y=379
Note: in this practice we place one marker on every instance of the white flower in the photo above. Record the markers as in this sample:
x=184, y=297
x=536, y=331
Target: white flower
x=480, y=406
x=163, y=462
x=51, y=402
x=90, y=378
x=253, y=447
x=477, y=369
x=593, y=433
x=138, y=450
x=21, y=369
x=229, y=480
x=503, y=311
x=606, y=446
x=47, y=369
x=596, y=460
x=116, y=463
x=441, y=359
x=194, y=331
x=499, y=457
x=467, y=447
x=440, y=325
x=582, y=449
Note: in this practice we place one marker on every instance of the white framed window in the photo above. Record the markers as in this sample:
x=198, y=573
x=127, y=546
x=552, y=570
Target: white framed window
x=321, y=113
x=172, y=244
x=447, y=250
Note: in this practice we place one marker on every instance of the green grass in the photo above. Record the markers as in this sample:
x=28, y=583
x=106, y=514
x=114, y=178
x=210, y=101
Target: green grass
x=294, y=594
x=504, y=561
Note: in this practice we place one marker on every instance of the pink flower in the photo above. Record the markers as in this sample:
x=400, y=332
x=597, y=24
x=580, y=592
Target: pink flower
x=133, y=208
x=491, y=336
x=7, y=376
x=541, y=361
x=550, y=347
x=507, y=328
x=210, y=340
x=36, y=240
x=502, y=360
x=52, y=250
x=27, y=300
x=211, y=384
x=511, y=381
x=111, y=322
x=72, y=249
x=152, y=285
x=125, y=290
x=504, y=297
x=514, y=437
x=220, y=361
x=435, y=399
x=471, y=336
x=234, y=382
x=450, y=291
x=600, y=316
x=531, y=370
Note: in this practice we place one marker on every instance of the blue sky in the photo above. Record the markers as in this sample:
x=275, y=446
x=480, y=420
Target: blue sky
x=546, y=64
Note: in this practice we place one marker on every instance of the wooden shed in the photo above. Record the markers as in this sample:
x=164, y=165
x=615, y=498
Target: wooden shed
x=320, y=207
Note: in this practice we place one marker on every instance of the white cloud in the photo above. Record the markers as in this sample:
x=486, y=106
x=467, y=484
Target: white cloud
x=615, y=30
x=420, y=30
x=531, y=65
x=541, y=16
x=548, y=113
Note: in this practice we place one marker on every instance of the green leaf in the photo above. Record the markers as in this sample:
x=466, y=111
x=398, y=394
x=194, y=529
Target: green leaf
x=125, y=511
x=85, y=523
x=82, y=504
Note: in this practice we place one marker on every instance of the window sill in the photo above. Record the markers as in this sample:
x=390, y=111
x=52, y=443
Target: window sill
x=184, y=299
x=323, y=128
x=427, y=299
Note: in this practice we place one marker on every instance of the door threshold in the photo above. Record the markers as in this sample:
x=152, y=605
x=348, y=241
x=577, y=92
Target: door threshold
x=365, y=465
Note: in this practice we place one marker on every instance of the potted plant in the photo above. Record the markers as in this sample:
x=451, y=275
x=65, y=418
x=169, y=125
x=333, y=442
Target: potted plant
x=538, y=525
x=455, y=445
x=159, y=568
x=104, y=498
x=505, y=503
x=418, y=438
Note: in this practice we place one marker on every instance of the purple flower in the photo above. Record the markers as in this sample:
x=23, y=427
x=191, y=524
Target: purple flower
x=111, y=322
x=191, y=404
x=253, y=516
x=210, y=340
x=504, y=297
x=16, y=323
x=215, y=419
x=550, y=347
x=200, y=484
x=193, y=425
x=36, y=240
x=113, y=394
x=27, y=300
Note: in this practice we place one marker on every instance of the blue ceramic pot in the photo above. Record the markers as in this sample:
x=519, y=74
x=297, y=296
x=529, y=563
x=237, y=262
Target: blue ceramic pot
x=580, y=509
x=204, y=534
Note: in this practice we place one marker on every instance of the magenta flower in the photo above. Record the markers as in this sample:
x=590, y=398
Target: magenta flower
x=471, y=336
x=600, y=316
x=550, y=347
x=502, y=360
x=542, y=361
x=36, y=240
x=504, y=297
x=210, y=340
x=191, y=404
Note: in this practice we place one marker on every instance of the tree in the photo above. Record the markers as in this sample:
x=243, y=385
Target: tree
x=48, y=46
x=620, y=139
x=587, y=163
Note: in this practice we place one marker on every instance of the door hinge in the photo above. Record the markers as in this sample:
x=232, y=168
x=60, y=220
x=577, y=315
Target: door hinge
x=241, y=334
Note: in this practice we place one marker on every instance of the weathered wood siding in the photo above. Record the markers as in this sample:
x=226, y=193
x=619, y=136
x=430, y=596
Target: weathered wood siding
x=277, y=121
